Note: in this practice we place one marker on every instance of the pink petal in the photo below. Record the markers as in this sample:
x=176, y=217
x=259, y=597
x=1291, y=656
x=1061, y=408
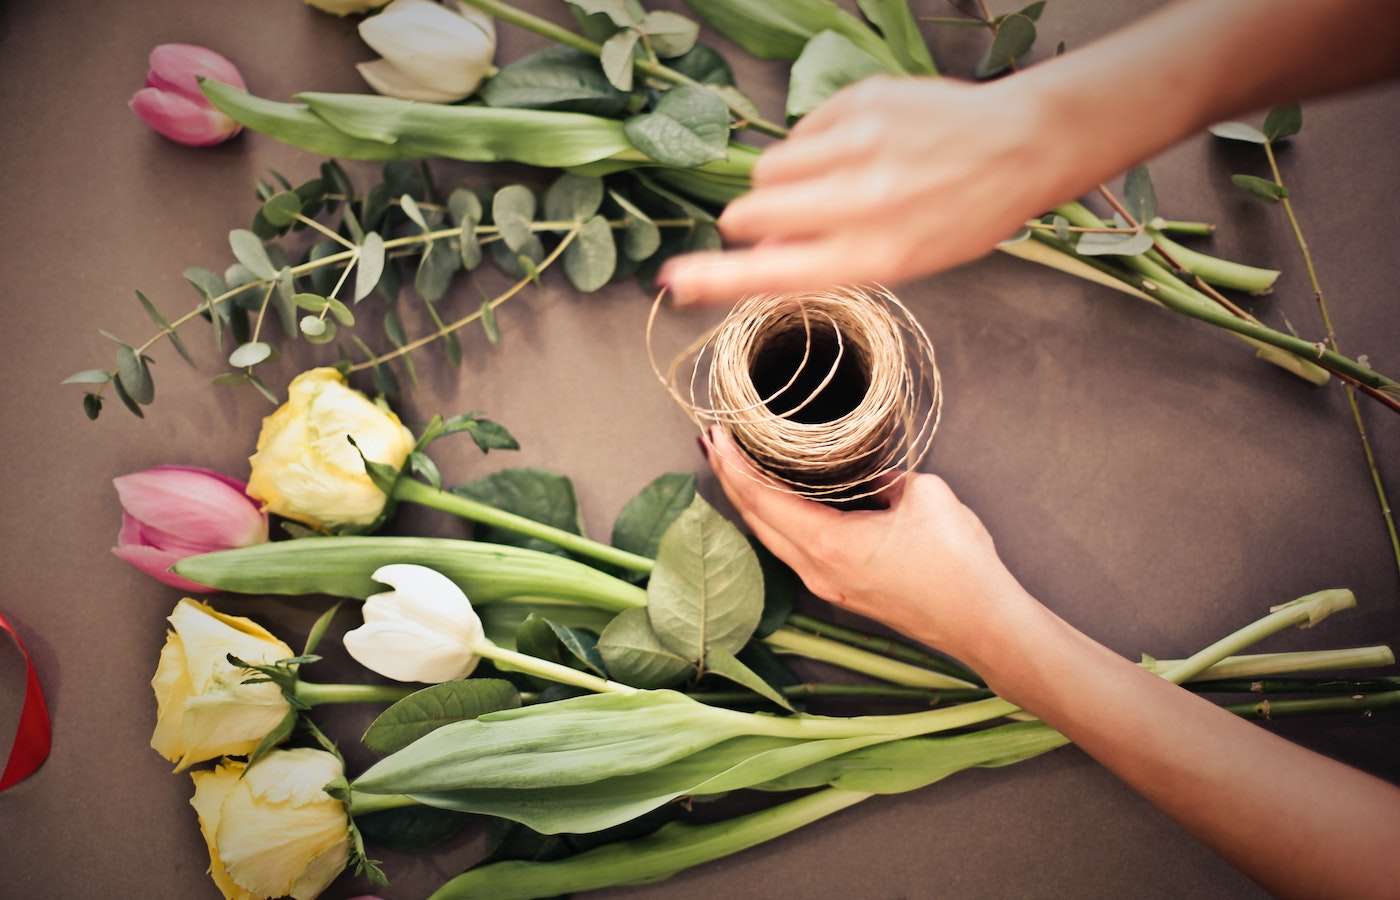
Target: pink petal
x=131, y=534
x=156, y=563
x=191, y=509
x=176, y=67
x=182, y=120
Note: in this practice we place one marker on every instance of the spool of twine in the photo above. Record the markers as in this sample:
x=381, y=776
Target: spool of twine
x=831, y=395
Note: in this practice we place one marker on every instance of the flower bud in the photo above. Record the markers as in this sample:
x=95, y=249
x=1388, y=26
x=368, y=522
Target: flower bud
x=430, y=52
x=203, y=708
x=304, y=467
x=172, y=103
x=271, y=829
x=171, y=512
x=423, y=630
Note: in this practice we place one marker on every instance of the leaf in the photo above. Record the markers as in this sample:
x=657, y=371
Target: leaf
x=1283, y=122
x=133, y=377
x=1061, y=225
x=1238, y=131
x=486, y=434
x=557, y=78
x=828, y=63
x=1260, y=187
x=488, y=322
x=410, y=209
x=1015, y=35
x=429, y=709
x=436, y=267
x=248, y=249
x=126, y=399
x=88, y=376
x=464, y=205
x=573, y=198
x=780, y=590
x=341, y=312
x=706, y=591
x=92, y=406
x=670, y=34
x=738, y=102
x=411, y=827
x=164, y=325
x=704, y=65
x=279, y=734
x=371, y=265
x=896, y=22
x=591, y=259
x=1140, y=198
x=688, y=127
x=422, y=464
x=1098, y=244
x=581, y=645
x=249, y=354
x=634, y=654
x=621, y=12
x=319, y=628
x=310, y=302
x=616, y=57
x=726, y=665
x=533, y=493
x=645, y=518
x=778, y=29
x=1033, y=11
x=640, y=236
x=281, y=209
x=512, y=210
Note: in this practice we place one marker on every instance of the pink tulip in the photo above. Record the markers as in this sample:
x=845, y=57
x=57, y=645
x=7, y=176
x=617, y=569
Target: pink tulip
x=171, y=102
x=171, y=512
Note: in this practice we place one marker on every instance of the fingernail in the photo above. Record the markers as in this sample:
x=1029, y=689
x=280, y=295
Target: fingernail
x=704, y=448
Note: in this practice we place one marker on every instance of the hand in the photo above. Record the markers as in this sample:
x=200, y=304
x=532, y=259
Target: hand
x=924, y=565
x=888, y=180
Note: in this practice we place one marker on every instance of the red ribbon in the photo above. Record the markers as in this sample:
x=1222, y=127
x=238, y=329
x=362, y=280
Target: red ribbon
x=34, y=736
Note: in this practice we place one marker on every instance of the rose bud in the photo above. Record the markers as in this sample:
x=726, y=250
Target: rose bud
x=171, y=512
x=172, y=103
x=430, y=52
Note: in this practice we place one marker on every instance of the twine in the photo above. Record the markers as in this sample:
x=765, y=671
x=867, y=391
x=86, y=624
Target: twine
x=857, y=453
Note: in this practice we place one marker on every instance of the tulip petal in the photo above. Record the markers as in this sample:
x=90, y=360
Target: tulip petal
x=431, y=44
x=428, y=596
x=196, y=508
x=156, y=563
x=405, y=652
x=177, y=68
x=385, y=78
x=181, y=119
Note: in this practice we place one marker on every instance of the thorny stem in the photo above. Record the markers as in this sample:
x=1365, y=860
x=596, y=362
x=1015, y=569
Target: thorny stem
x=1376, y=481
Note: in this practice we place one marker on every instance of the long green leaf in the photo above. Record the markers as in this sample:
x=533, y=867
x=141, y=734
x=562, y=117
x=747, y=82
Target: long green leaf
x=896, y=22
x=293, y=123
x=777, y=29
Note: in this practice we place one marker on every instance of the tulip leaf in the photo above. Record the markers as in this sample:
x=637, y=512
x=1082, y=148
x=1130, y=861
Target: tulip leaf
x=640, y=236
x=706, y=591
x=634, y=655
x=533, y=493
x=591, y=259
x=778, y=30
x=828, y=63
x=645, y=518
x=1014, y=37
x=573, y=198
x=901, y=32
x=726, y=665
x=616, y=57
x=1140, y=197
x=1283, y=122
x=1125, y=244
x=557, y=78
x=670, y=34
x=412, y=827
x=439, y=262
x=688, y=127
x=248, y=249
x=433, y=707
x=249, y=354
x=1238, y=131
x=370, y=267
x=1260, y=187
x=281, y=209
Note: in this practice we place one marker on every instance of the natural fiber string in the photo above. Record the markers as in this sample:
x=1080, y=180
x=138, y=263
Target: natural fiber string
x=855, y=454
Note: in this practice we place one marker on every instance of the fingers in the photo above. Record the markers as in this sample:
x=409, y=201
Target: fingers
x=799, y=158
x=776, y=267
x=801, y=209
x=789, y=517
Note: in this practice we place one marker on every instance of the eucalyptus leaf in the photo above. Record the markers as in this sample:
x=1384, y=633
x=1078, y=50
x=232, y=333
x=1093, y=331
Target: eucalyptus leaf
x=126, y=399
x=88, y=376
x=670, y=34
x=645, y=518
x=283, y=293
x=164, y=324
x=1238, y=131
x=556, y=78
x=573, y=198
x=310, y=302
x=92, y=406
x=340, y=312
x=133, y=377
x=370, y=267
x=1034, y=11
x=778, y=29
x=312, y=326
x=1061, y=225
x=249, y=354
x=436, y=267
x=896, y=22
x=282, y=209
x=616, y=57
x=1014, y=37
x=688, y=127
x=1260, y=187
x=1283, y=122
x=726, y=665
x=512, y=210
x=535, y=638
x=640, y=235
x=323, y=333
x=1097, y=244
x=488, y=322
x=521, y=263
x=533, y=493
x=1140, y=197
x=828, y=63
x=634, y=655
x=706, y=591
x=591, y=259
x=463, y=205
x=248, y=249
x=433, y=707
x=323, y=279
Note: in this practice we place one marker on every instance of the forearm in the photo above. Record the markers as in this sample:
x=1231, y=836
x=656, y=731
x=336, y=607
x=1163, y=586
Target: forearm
x=1297, y=822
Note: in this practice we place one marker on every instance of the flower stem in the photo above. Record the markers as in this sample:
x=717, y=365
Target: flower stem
x=1177, y=226
x=1251, y=665
x=315, y=694
x=552, y=671
x=816, y=691
x=1219, y=272
x=1277, y=709
x=1348, y=687
x=857, y=659
x=362, y=804
x=887, y=646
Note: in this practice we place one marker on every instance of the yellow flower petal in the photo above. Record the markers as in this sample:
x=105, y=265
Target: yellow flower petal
x=208, y=637
x=211, y=788
x=172, y=689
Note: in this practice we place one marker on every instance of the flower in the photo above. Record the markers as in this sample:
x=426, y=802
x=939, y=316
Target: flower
x=271, y=829
x=346, y=7
x=430, y=52
x=172, y=103
x=423, y=630
x=171, y=512
x=304, y=467
x=203, y=709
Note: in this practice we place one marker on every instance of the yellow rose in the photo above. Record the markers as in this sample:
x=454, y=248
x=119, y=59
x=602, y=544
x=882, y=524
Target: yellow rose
x=270, y=828
x=306, y=470
x=203, y=710
x=346, y=7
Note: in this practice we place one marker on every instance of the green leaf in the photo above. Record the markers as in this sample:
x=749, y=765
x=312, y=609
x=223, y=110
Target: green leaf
x=371, y=265
x=436, y=267
x=1261, y=187
x=92, y=406
x=126, y=399
x=622, y=13
x=704, y=65
x=1140, y=198
x=726, y=665
x=164, y=325
x=422, y=464
x=616, y=57
x=706, y=591
x=634, y=655
x=573, y=198
x=688, y=127
x=512, y=210
x=1238, y=131
x=780, y=590
x=433, y=707
x=670, y=34
x=411, y=827
x=535, y=638
x=249, y=354
x=393, y=329
x=133, y=377
x=282, y=209
x=557, y=78
x=310, y=302
x=1098, y=244
x=591, y=259
x=274, y=738
x=503, y=620
x=582, y=646
x=645, y=518
x=487, y=434
x=410, y=209
x=1061, y=228
x=88, y=376
x=1015, y=35
x=248, y=249
x=828, y=63
x=533, y=493
x=640, y=236
x=778, y=29
x=896, y=22
x=463, y=205
x=488, y=322
x=1283, y=122
x=341, y=312
x=319, y=628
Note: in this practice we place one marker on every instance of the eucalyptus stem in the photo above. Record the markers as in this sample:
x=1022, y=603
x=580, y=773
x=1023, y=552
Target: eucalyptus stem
x=884, y=645
x=316, y=694
x=1376, y=481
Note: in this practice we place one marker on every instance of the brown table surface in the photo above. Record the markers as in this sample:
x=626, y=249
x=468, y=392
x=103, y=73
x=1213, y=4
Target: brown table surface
x=1144, y=476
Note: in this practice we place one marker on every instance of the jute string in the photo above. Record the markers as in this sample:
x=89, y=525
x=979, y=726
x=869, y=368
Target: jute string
x=859, y=452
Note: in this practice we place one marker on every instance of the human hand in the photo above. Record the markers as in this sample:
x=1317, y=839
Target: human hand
x=924, y=565
x=890, y=179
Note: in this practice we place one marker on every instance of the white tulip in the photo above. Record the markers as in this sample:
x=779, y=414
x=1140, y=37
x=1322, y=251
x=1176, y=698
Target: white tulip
x=430, y=52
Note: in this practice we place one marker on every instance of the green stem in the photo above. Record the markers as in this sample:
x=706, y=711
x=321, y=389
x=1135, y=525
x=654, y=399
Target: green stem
x=820, y=691
x=1177, y=226
x=886, y=646
x=1253, y=665
x=1296, y=686
x=1216, y=271
x=857, y=659
x=315, y=694
x=362, y=804
x=1277, y=709
x=552, y=671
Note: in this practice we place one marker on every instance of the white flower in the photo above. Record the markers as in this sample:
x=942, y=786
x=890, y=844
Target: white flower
x=423, y=630
x=430, y=52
